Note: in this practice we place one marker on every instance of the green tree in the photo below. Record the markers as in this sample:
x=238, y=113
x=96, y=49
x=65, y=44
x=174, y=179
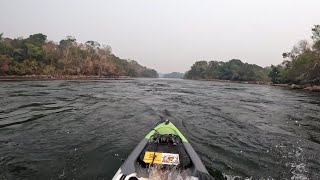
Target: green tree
x=274, y=74
x=198, y=70
x=37, y=39
x=65, y=45
x=316, y=33
x=234, y=70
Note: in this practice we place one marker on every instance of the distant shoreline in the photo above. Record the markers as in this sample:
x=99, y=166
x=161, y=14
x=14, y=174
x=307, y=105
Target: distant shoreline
x=241, y=82
x=307, y=87
x=59, y=76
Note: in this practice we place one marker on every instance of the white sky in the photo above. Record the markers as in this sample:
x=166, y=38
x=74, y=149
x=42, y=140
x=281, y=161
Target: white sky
x=170, y=35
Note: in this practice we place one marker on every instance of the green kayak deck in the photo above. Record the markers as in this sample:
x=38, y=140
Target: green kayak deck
x=166, y=128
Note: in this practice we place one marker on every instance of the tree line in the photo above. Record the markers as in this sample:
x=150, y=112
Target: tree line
x=300, y=66
x=234, y=70
x=36, y=55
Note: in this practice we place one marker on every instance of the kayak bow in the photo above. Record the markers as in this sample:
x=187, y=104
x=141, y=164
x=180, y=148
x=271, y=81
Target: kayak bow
x=167, y=151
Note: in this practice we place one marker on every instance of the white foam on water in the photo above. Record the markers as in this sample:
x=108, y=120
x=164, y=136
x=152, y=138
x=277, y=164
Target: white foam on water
x=299, y=171
x=296, y=161
x=157, y=172
x=293, y=155
x=298, y=167
x=230, y=177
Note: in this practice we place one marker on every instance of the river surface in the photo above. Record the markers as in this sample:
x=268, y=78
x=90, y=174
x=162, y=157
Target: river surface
x=84, y=129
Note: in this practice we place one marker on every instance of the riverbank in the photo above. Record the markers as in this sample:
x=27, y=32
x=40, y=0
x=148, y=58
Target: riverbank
x=241, y=82
x=60, y=76
x=307, y=87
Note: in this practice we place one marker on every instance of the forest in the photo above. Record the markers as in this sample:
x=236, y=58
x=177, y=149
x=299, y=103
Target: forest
x=36, y=55
x=300, y=66
x=234, y=70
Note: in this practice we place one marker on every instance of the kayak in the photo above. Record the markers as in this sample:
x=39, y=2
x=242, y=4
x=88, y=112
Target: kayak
x=164, y=153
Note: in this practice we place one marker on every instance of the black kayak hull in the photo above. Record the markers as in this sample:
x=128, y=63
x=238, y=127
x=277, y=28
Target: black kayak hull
x=132, y=169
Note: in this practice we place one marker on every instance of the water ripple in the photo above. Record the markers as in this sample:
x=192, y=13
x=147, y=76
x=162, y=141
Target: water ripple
x=84, y=129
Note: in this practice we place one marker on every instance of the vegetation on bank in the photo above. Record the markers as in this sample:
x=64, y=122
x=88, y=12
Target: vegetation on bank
x=36, y=55
x=234, y=70
x=301, y=66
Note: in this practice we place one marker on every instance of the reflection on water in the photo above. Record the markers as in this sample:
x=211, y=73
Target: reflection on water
x=84, y=129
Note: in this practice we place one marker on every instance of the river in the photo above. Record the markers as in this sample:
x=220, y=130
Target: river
x=84, y=129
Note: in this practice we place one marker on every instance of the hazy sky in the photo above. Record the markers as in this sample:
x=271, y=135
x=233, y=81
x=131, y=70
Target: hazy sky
x=170, y=35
